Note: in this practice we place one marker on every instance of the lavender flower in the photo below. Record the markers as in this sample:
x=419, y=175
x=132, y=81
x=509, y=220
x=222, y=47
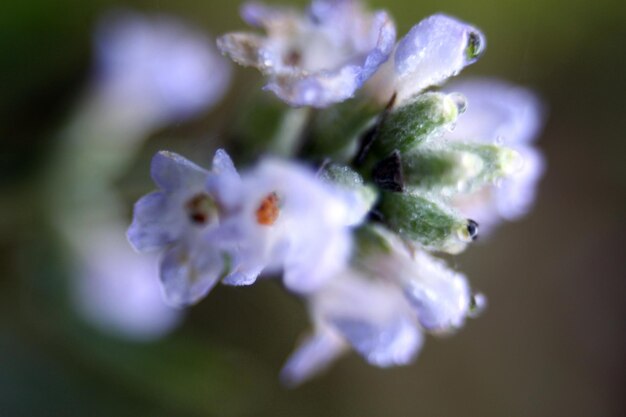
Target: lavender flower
x=371, y=316
x=281, y=216
x=157, y=69
x=277, y=216
x=354, y=239
x=316, y=59
x=176, y=218
x=380, y=306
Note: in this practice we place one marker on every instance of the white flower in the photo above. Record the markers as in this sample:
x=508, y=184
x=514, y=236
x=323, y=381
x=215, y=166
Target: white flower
x=315, y=59
x=155, y=70
x=176, y=218
x=371, y=316
x=440, y=296
x=281, y=216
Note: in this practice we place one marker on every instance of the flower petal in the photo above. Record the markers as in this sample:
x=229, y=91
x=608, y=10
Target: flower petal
x=155, y=225
x=243, y=48
x=317, y=59
x=373, y=316
x=515, y=196
x=172, y=172
x=435, y=49
x=188, y=274
x=313, y=356
x=440, y=295
x=497, y=111
x=394, y=343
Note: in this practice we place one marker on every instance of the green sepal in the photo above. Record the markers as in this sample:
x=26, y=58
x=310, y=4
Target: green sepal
x=414, y=123
x=420, y=217
x=455, y=168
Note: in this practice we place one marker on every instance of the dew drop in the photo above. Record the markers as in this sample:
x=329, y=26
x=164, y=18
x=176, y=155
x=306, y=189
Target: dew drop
x=475, y=46
x=478, y=304
x=469, y=232
x=459, y=101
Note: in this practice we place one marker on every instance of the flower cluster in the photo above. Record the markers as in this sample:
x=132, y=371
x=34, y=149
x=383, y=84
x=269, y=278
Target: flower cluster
x=387, y=171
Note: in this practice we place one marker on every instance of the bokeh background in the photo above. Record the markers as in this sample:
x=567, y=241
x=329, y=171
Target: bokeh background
x=552, y=342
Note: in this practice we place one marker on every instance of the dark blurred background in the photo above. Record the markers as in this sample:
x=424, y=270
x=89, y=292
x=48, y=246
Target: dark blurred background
x=551, y=343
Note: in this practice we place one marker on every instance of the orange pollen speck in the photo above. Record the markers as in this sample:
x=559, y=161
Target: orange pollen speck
x=268, y=210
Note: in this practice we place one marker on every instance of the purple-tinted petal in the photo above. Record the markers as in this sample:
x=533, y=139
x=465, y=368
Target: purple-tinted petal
x=435, y=49
x=441, y=302
x=171, y=172
x=384, y=32
x=316, y=260
x=497, y=111
x=159, y=64
x=372, y=316
x=393, y=343
x=516, y=195
x=261, y=16
x=188, y=274
x=313, y=356
x=319, y=90
x=244, y=272
x=155, y=225
x=223, y=164
x=318, y=59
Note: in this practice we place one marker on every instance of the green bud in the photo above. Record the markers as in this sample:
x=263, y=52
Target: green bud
x=421, y=218
x=497, y=162
x=447, y=169
x=414, y=123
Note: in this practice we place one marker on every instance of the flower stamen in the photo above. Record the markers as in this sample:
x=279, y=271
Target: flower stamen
x=268, y=210
x=200, y=208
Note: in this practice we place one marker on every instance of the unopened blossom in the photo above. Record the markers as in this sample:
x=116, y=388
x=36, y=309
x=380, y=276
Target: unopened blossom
x=282, y=216
x=434, y=50
x=175, y=220
x=314, y=59
x=154, y=70
x=501, y=113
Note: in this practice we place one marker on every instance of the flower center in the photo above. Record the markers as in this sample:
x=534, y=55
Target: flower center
x=293, y=58
x=200, y=208
x=268, y=210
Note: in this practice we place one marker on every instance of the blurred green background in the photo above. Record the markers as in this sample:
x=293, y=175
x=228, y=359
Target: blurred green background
x=551, y=343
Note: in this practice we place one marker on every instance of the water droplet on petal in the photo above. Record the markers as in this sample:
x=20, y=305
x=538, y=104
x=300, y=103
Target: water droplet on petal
x=475, y=46
x=469, y=232
x=478, y=304
x=459, y=101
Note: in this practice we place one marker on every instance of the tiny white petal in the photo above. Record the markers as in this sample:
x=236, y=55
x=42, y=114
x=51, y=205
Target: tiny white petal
x=433, y=50
x=313, y=356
